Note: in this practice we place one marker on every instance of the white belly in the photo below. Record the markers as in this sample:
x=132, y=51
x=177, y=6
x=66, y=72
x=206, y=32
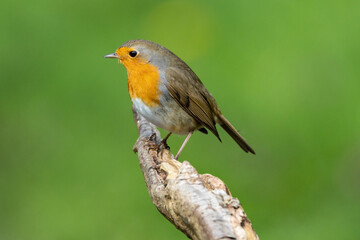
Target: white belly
x=169, y=116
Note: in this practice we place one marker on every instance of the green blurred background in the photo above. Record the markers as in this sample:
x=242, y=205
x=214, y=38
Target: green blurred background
x=285, y=73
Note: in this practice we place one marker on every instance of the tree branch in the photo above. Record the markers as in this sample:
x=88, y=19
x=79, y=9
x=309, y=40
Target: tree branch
x=200, y=205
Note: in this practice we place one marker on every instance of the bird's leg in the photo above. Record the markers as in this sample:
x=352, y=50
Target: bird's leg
x=183, y=145
x=163, y=145
x=166, y=138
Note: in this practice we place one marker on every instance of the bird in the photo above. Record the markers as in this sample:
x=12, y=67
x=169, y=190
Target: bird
x=167, y=93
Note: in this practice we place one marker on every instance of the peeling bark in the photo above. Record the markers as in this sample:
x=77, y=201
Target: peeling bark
x=200, y=205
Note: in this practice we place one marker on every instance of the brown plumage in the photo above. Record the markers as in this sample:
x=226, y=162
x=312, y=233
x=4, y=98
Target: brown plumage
x=181, y=104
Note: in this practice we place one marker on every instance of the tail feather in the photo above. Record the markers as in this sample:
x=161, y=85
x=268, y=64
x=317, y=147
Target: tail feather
x=226, y=125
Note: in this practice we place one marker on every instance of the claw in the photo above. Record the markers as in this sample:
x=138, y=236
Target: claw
x=159, y=148
x=152, y=137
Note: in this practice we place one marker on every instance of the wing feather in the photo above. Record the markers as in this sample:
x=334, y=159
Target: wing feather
x=188, y=91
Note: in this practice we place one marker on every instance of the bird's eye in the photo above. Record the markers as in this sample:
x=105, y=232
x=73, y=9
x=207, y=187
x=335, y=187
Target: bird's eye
x=133, y=53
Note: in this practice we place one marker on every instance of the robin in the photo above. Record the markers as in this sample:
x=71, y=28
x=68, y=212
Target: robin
x=166, y=92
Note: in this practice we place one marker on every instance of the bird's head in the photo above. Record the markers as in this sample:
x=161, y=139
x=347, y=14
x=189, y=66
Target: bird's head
x=135, y=53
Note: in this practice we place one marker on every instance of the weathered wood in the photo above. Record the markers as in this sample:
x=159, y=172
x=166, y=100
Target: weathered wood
x=200, y=205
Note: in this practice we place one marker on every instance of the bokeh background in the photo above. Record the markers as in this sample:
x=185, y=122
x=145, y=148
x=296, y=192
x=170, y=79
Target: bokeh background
x=285, y=73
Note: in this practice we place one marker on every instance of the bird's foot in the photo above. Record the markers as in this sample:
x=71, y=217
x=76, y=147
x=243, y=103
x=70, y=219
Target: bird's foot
x=163, y=144
x=161, y=147
x=158, y=147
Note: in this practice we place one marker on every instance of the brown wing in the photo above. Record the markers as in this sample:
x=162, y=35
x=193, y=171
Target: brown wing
x=188, y=91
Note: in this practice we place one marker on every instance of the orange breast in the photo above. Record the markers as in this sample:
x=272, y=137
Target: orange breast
x=143, y=82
